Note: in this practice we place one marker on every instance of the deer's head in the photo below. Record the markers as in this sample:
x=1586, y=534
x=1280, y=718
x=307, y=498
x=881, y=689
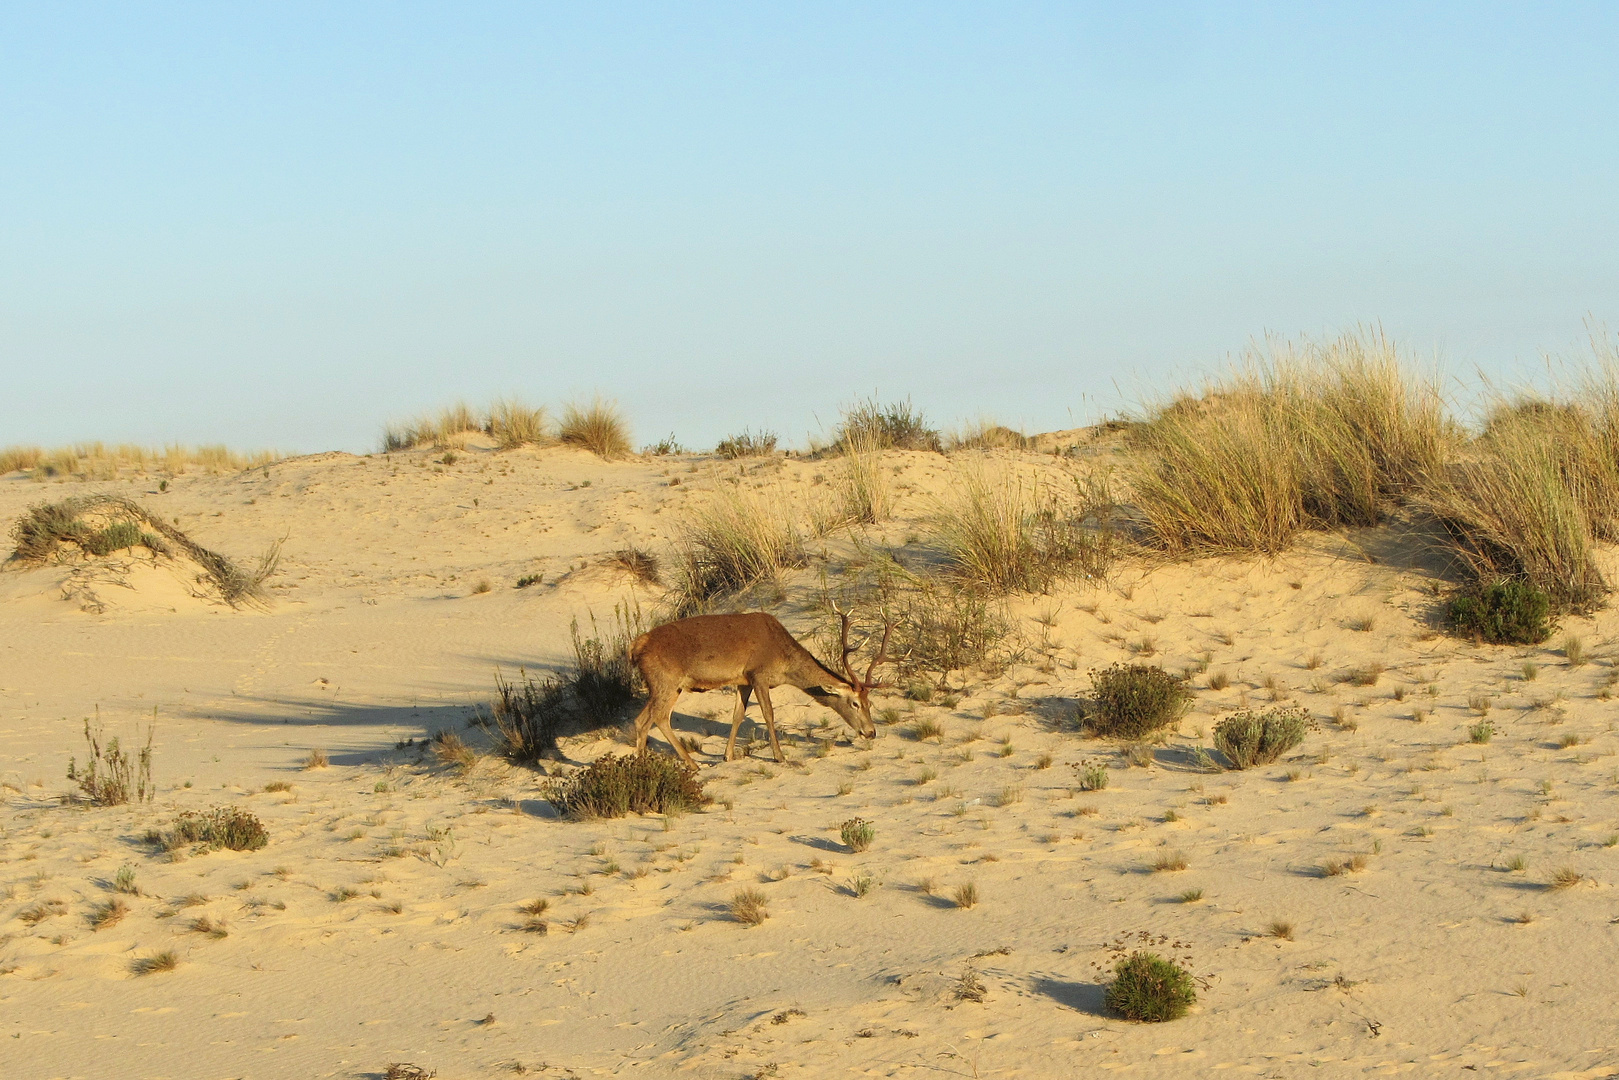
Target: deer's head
x=853, y=702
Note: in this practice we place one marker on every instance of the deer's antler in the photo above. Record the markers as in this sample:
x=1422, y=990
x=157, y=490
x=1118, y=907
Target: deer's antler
x=847, y=649
x=882, y=654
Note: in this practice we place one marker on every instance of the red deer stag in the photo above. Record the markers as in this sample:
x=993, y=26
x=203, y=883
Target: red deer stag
x=752, y=652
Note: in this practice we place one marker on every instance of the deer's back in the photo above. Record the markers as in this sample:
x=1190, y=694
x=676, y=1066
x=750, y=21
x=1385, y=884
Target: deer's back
x=711, y=651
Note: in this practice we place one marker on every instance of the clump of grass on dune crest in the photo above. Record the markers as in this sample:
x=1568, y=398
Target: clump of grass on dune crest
x=98, y=461
x=747, y=444
x=446, y=430
x=729, y=541
x=988, y=435
x=896, y=426
x=597, y=427
x=512, y=424
x=864, y=496
x=1302, y=436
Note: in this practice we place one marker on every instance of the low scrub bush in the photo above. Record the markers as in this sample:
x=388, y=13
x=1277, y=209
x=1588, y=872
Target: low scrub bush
x=110, y=776
x=528, y=717
x=1147, y=987
x=750, y=906
x=857, y=834
x=1248, y=738
x=896, y=426
x=747, y=444
x=597, y=427
x=219, y=827
x=944, y=628
x=1133, y=701
x=640, y=783
x=1508, y=612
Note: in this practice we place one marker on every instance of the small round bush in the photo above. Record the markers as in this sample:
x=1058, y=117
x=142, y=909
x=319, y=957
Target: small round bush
x=1147, y=987
x=218, y=827
x=1135, y=700
x=1505, y=613
x=858, y=833
x=1248, y=738
x=642, y=783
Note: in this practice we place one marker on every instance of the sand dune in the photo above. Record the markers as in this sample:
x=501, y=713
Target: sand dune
x=383, y=922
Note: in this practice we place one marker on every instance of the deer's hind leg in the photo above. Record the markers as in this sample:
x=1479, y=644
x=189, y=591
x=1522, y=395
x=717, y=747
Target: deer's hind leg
x=656, y=711
x=742, y=693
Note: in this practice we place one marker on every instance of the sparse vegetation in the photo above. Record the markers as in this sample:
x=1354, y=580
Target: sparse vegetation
x=101, y=524
x=1481, y=732
x=108, y=913
x=1133, y=701
x=896, y=426
x=98, y=461
x=1169, y=861
x=1092, y=775
x=1149, y=988
x=1248, y=738
x=747, y=444
x=966, y=895
x=1010, y=533
x=167, y=960
x=642, y=783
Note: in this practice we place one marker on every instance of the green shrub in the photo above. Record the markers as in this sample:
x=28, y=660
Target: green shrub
x=1092, y=775
x=219, y=827
x=1505, y=613
x=1149, y=988
x=1135, y=700
x=1248, y=738
x=640, y=783
x=858, y=833
x=115, y=537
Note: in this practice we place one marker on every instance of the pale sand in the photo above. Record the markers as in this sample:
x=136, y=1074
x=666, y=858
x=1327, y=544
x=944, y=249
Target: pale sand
x=1416, y=965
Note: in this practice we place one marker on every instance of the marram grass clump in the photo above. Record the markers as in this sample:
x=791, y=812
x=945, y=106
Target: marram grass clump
x=1146, y=987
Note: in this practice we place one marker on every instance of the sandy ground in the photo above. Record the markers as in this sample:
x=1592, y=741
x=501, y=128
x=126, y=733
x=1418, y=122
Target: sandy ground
x=382, y=923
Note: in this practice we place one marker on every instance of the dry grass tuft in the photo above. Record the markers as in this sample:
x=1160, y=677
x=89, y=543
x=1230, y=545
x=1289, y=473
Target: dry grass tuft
x=750, y=906
x=896, y=426
x=747, y=444
x=729, y=541
x=597, y=427
x=167, y=960
x=512, y=424
x=1304, y=435
x=1005, y=532
x=98, y=461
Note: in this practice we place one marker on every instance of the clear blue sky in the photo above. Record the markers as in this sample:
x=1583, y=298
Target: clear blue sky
x=283, y=224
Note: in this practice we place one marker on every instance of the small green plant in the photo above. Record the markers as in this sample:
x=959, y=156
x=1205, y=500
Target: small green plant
x=1481, y=732
x=641, y=783
x=529, y=579
x=926, y=727
x=750, y=906
x=1190, y=896
x=1508, y=612
x=1248, y=738
x=1092, y=775
x=1132, y=701
x=124, y=881
x=861, y=885
x=858, y=833
x=1149, y=988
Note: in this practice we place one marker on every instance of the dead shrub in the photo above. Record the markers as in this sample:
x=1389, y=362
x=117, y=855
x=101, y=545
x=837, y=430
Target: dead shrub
x=111, y=777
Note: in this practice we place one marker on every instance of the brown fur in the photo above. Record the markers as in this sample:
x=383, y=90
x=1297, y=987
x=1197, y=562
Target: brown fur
x=752, y=652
